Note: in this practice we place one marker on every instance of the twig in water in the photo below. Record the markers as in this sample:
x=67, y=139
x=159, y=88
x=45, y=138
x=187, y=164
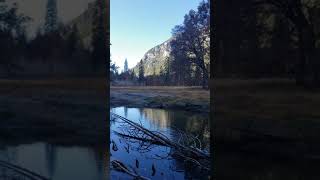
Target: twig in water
x=119, y=166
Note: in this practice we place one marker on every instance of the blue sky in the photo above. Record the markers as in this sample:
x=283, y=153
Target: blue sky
x=138, y=25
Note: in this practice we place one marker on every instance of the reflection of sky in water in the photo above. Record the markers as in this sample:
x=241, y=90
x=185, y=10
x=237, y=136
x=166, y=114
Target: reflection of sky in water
x=155, y=120
x=57, y=162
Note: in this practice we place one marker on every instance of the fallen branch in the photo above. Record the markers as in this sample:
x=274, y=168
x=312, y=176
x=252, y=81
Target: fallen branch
x=136, y=131
x=119, y=166
x=138, y=138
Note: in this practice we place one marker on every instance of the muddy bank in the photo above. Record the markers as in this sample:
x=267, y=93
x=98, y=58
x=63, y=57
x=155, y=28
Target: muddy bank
x=52, y=111
x=180, y=98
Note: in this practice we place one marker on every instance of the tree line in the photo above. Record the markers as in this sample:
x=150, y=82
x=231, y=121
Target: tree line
x=55, y=49
x=270, y=38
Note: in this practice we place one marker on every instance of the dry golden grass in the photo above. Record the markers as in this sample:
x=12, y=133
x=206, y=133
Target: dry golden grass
x=266, y=98
x=179, y=92
x=271, y=106
x=98, y=85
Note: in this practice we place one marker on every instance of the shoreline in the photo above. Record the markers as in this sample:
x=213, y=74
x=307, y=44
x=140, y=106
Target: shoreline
x=250, y=115
x=55, y=111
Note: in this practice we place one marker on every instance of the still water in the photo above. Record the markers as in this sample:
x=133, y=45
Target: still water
x=141, y=157
x=58, y=162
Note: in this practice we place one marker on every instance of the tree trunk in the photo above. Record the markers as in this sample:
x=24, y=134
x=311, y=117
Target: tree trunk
x=307, y=68
x=300, y=65
x=205, y=77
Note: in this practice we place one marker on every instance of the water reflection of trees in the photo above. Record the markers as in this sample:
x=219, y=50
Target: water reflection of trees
x=125, y=109
x=101, y=158
x=195, y=124
x=51, y=156
x=160, y=118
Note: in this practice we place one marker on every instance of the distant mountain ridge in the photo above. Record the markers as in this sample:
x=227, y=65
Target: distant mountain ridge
x=155, y=58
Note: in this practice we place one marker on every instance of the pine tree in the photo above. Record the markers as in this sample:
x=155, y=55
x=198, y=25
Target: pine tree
x=125, y=69
x=141, y=71
x=167, y=72
x=132, y=75
x=99, y=38
x=73, y=40
x=197, y=76
x=51, y=18
x=12, y=35
x=162, y=75
x=281, y=43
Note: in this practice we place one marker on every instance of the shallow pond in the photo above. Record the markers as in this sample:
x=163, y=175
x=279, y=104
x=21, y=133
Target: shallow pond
x=58, y=162
x=156, y=161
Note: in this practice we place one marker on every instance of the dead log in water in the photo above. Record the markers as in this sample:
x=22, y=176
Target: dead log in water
x=187, y=152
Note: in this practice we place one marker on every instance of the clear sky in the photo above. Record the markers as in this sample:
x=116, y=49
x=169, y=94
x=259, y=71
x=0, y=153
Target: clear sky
x=138, y=25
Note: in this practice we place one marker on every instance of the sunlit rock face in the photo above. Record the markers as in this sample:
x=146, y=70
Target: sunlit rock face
x=84, y=22
x=155, y=58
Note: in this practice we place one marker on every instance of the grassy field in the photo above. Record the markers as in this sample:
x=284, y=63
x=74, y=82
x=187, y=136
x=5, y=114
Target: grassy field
x=67, y=83
x=171, y=97
x=62, y=111
x=272, y=99
x=266, y=110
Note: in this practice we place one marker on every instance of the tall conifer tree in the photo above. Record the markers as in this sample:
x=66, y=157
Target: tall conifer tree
x=125, y=66
x=99, y=38
x=51, y=19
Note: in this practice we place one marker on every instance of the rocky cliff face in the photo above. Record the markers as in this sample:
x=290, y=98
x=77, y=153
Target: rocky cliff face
x=155, y=58
x=84, y=23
